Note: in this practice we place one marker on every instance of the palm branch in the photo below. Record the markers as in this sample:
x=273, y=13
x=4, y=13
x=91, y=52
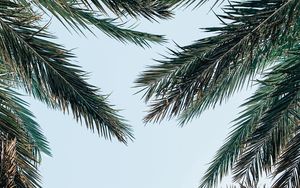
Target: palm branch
x=82, y=14
x=79, y=16
x=209, y=71
x=256, y=140
x=45, y=66
x=278, y=123
x=259, y=35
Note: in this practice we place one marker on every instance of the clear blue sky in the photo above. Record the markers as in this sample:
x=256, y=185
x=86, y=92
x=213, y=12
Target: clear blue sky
x=163, y=155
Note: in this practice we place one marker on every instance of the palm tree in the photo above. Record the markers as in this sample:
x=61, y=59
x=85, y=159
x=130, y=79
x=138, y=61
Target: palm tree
x=258, y=45
x=32, y=61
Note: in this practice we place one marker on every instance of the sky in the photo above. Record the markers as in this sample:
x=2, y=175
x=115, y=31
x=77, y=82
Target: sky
x=162, y=155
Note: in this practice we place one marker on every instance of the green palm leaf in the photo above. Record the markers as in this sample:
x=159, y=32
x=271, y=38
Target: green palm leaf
x=26, y=48
x=277, y=123
x=208, y=72
x=243, y=128
x=80, y=16
x=263, y=129
x=212, y=69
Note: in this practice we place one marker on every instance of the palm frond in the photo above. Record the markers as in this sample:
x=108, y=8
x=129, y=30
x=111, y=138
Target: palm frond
x=278, y=123
x=266, y=105
x=26, y=48
x=212, y=69
x=79, y=17
x=150, y=9
x=243, y=128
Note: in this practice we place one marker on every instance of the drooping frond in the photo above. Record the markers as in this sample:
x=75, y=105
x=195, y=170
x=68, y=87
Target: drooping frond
x=243, y=127
x=256, y=140
x=212, y=69
x=81, y=16
x=44, y=68
x=277, y=123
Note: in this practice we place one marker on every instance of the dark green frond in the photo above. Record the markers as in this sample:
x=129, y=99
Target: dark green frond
x=278, y=122
x=80, y=16
x=45, y=65
x=212, y=69
x=271, y=102
x=243, y=127
x=150, y=9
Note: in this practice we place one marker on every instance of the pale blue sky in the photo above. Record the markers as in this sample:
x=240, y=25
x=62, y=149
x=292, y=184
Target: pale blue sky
x=163, y=155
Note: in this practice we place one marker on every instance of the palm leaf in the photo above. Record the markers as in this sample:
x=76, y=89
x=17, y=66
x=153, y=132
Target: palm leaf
x=243, y=128
x=278, y=122
x=26, y=48
x=212, y=69
x=80, y=16
x=260, y=108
